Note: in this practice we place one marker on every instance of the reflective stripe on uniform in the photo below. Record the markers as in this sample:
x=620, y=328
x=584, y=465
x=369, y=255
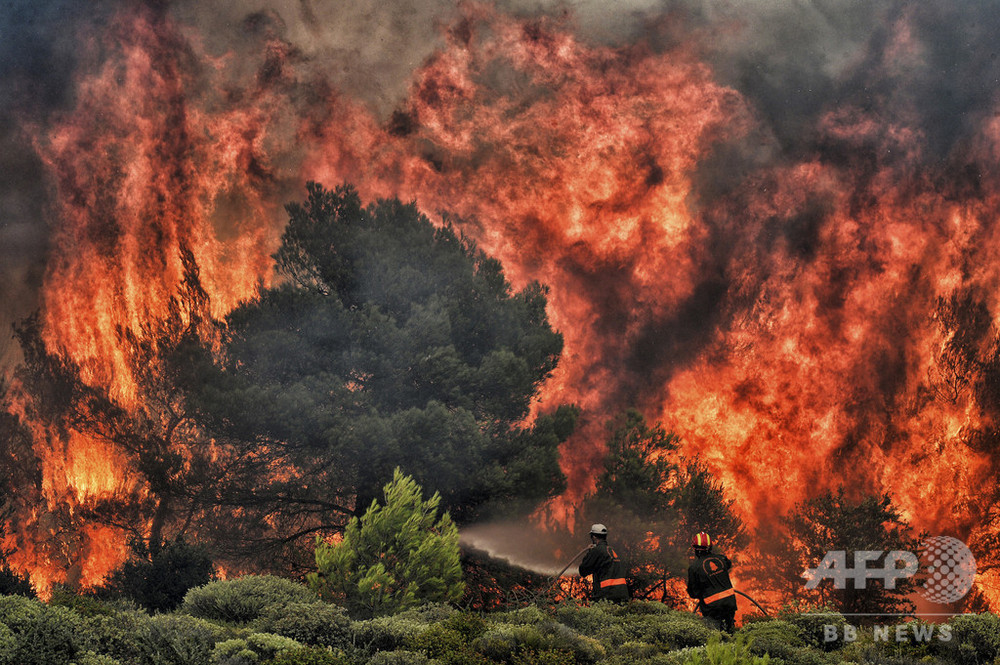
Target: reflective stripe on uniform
x=719, y=596
x=615, y=582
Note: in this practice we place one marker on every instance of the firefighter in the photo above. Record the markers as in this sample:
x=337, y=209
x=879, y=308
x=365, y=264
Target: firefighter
x=708, y=581
x=608, y=570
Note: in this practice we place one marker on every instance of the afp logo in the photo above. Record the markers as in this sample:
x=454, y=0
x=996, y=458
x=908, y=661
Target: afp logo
x=947, y=562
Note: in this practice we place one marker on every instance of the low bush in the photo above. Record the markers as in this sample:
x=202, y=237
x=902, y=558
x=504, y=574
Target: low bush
x=85, y=606
x=18, y=612
x=51, y=635
x=399, y=658
x=437, y=641
x=315, y=624
x=509, y=642
x=8, y=645
x=428, y=613
x=668, y=629
x=385, y=633
x=91, y=658
x=467, y=624
x=587, y=620
x=252, y=649
x=813, y=626
x=179, y=639
x=309, y=656
x=776, y=637
x=124, y=635
x=244, y=599
x=730, y=653
x=975, y=638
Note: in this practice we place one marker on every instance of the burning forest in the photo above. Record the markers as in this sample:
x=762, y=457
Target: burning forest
x=766, y=234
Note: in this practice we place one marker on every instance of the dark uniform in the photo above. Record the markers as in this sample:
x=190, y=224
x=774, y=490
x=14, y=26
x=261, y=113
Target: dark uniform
x=708, y=581
x=608, y=571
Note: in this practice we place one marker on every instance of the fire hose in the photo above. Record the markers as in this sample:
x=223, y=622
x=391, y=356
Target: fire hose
x=753, y=601
x=555, y=579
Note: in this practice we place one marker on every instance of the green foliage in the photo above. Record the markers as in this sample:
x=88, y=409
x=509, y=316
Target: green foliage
x=159, y=579
x=91, y=658
x=46, y=635
x=308, y=656
x=396, y=556
x=252, y=649
x=122, y=634
x=778, y=638
x=731, y=653
x=179, y=639
x=670, y=629
x=401, y=657
x=244, y=599
x=8, y=644
x=390, y=339
x=975, y=638
x=510, y=643
x=385, y=633
x=436, y=641
x=19, y=612
x=316, y=624
x=812, y=624
x=83, y=605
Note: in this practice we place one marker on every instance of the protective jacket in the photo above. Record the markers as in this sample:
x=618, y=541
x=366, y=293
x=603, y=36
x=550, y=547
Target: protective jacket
x=609, y=573
x=708, y=581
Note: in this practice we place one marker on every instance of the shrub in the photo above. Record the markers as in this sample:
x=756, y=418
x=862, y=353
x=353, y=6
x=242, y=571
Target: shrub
x=8, y=645
x=637, y=651
x=428, y=613
x=731, y=653
x=91, y=658
x=399, y=658
x=468, y=625
x=436, y=641
x=424, y=562
x=85, y=606
x=587, y=620
x=776, y=637
x=244, y=599
x=812, y=626
x=51, y=636
x=975, y=638
x=385, y=633
x=178, y=639
x=669, y=629
x=254, y=648
x=509, y=642
x=308, y=656
x=18, y=612
x=124, y=635
x=525, y=616
x=314, y=623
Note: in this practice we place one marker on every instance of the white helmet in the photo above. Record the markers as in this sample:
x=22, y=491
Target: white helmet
x=599, y=530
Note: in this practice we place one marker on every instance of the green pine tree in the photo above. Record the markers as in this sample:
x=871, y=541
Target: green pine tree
x=396, y=556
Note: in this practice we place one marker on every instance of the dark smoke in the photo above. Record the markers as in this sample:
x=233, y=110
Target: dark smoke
x=37, y=61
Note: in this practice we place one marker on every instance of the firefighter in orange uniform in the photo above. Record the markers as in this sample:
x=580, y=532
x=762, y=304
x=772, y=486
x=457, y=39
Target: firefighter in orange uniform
x=708, y=581
x=603, y=563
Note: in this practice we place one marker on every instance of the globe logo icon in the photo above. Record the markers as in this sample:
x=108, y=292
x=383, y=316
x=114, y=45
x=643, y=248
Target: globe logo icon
x=950, y=567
